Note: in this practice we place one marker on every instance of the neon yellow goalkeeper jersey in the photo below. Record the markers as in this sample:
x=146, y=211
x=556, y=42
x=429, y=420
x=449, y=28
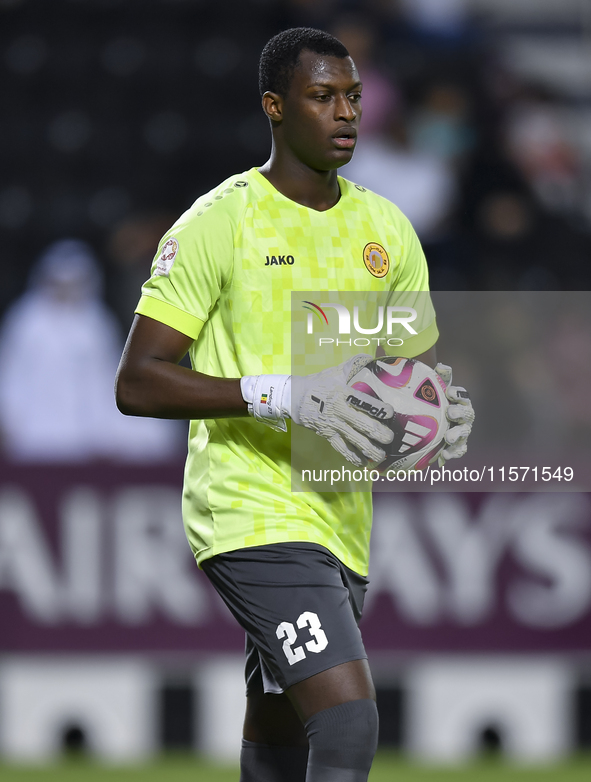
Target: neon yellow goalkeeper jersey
x=223, y=275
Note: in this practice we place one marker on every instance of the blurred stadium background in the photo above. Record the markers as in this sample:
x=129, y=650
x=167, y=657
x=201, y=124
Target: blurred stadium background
x=117, y=114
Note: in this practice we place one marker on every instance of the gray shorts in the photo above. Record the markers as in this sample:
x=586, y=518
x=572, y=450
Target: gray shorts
x=299, y=605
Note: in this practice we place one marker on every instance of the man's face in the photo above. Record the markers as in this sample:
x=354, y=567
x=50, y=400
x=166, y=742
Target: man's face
x=321, y=111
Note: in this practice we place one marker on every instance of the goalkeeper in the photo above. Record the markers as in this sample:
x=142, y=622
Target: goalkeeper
x=291, y=567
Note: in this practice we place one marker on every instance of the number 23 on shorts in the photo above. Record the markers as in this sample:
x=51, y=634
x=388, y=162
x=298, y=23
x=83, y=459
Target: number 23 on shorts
x=286, y=630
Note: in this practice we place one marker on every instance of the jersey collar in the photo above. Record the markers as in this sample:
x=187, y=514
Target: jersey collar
x=276, y=194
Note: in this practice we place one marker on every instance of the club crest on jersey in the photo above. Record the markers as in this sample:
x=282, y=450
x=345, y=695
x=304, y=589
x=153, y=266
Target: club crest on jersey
x=376, y=259
x=166, y=258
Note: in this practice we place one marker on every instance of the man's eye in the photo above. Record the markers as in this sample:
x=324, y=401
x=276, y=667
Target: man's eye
x=322, y=97
x=355, y=98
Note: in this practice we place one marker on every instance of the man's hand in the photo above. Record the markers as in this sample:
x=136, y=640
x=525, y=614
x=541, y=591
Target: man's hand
x=349, y=419
x=460, y=414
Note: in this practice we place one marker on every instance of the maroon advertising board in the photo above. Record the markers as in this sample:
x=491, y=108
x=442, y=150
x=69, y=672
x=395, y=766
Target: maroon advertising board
x=93, y=558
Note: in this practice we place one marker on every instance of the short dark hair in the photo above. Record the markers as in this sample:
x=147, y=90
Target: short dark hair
x=281, y=54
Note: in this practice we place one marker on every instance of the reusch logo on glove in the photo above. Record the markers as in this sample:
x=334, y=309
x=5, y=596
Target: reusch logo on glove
x=367, y=407
x=319, y=402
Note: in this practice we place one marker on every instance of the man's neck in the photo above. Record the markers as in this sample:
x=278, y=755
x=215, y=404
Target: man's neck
x=317, y=190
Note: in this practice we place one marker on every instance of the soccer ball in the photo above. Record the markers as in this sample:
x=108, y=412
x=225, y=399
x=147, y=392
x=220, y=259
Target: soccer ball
x=417, y=394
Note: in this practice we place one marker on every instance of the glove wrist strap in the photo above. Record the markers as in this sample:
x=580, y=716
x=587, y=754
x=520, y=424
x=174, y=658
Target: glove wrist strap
x=268, y=398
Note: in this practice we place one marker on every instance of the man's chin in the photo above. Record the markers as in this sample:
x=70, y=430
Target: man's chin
x=340, y=158
x=335, y=159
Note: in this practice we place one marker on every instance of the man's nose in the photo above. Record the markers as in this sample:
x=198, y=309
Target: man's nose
x=344, y=109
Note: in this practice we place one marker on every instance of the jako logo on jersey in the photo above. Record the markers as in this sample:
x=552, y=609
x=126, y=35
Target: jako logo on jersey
x=367, y=407
x=376, y=259
x=279, y=260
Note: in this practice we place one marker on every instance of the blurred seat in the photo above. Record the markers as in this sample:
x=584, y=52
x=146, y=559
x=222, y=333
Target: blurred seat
x=111, y=702
x=454, y=702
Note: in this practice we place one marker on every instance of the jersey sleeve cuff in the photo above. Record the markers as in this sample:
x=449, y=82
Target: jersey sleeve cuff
x=169, y=315
x=414, y=346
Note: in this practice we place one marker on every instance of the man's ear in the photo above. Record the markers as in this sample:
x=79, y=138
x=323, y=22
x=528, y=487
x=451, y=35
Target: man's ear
x=273, y=106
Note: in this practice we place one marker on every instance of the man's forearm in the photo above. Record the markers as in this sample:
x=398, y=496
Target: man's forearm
x=151, y=383
x=165, y=390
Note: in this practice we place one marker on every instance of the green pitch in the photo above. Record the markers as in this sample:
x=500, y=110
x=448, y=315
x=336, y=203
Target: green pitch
x=386, y=768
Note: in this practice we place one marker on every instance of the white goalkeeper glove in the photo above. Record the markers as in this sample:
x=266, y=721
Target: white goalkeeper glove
x=460, y=414
x=323, y=402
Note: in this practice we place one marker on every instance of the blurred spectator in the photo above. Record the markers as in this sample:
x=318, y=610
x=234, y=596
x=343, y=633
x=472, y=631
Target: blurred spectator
x=310, y=13
x=571, y=341
x=440, y=125
x=131, y=248
x=422, y=185
x=381, y=98
x=446, y=18
x=537, y=139
x=59, y=350
x=519, y=246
